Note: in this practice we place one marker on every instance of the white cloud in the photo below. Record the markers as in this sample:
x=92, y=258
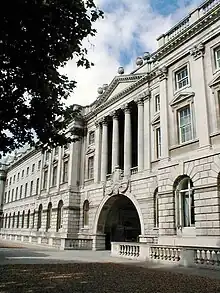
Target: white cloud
x=132, y=26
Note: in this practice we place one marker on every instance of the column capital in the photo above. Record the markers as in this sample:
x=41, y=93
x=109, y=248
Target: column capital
x=139, y=101
x=162, y=73
x=114, y=114
x=126, y=108
x=97, y=123
x=104, y=121
x=197, y=51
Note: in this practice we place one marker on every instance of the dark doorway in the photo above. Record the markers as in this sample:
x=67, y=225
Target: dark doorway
x=122, y=222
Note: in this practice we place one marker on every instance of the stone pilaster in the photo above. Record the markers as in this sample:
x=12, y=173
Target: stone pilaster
x=147, y=136
x=104, y=157
x=59, y=166
x=198, y=85
x=97, y=153
x=164, y=114
x=127, y=141
x=140, y=134
x=115, y=141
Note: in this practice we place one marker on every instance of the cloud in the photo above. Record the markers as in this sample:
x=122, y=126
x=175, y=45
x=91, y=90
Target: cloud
x=129, y=29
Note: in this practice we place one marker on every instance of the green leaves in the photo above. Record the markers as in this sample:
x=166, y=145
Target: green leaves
x=37, y=37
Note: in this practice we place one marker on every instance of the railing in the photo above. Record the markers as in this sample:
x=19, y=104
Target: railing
x=134, y=170
x=207, y=256
x=132, y=250
x=165, y=253
x=82, y=244
x=207, y=6
x=187, y=21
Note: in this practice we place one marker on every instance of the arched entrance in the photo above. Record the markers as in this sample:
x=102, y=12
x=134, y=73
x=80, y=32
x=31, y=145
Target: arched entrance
x=119, y=221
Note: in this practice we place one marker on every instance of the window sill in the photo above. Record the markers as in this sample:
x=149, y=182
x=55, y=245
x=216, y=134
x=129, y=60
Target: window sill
x=182, y=89
x=184, y=144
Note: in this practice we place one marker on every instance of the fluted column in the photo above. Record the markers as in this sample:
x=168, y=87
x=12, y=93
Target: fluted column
x=104, y=158
x=115, y=141
x=140, y=134
x=127, y=141
x=164, y=114
x=97, y=152
x=147, y=136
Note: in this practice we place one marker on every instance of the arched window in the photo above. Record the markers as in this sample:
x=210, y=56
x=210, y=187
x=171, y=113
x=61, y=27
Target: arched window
x=59, y=215
x=9, y=220
x=13, y=220
x=49, y=213
x=18, y=219
x=185, y=202
x=22, y=222
x=33, y=219
x=28, y=219
x=6, y=217
x=39, y=218
x=156, y=209
x=86, y=213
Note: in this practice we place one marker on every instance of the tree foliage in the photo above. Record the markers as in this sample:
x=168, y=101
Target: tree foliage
x=37, y=37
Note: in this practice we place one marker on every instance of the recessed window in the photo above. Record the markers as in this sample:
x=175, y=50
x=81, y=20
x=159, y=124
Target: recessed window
x=33, y=167
x=12, y=195
x=54, y=176
x=22, y=175
x=10, y=181
x=45, y=179
x=91, y=137
x=91, y=167
x=31, y=188
x=157, y=103
x=16, y=194
x=182, y=78
x=158, y=142
x=185, y=124
x=39, y=163
x=27, y=171
x=47, y=156
x=156, y=209
x=14, y=179
x=217, y=58
x=21, y=191
x=25, y=190
x=65, y=171
x=37, y=185
x=18, y=177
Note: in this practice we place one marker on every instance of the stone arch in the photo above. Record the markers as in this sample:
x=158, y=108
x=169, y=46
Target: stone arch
x=86, y=213
x=104, y=208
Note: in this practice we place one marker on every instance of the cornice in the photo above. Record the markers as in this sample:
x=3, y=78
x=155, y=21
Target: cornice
x=186, y=34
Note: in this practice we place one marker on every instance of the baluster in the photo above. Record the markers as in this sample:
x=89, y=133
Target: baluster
x=217, y=257
x=138, y=251
x=132, y=250
x=135, y=249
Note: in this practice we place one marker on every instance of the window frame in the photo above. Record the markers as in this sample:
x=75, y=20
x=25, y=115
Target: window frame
x=216, y=61
x=65, y=171
x=179, y=110
x=175, y=75
x=156, y=103
x=54, y=175
x=90, y=171
x=158, y=145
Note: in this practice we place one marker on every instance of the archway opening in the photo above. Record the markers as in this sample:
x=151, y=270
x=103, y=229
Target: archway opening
x=119, y=221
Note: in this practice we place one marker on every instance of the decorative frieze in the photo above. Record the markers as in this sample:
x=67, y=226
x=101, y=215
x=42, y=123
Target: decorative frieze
x=197, y=51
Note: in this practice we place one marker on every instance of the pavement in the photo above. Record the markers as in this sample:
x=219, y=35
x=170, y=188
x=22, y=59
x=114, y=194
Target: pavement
x=12, y=252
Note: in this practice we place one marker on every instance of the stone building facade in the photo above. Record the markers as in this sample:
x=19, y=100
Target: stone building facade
x=147, y=168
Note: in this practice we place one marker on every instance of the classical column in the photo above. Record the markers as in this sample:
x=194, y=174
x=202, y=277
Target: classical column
x=147, y=136
x=104, y=159
x=199, y=86
x=164, y=114
x=97, y=152
x=115, y=141
x=140, y=146
x=127, y=141
x=59, y=166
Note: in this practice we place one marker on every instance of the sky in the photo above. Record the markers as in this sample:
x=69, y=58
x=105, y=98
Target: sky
x=129, y=28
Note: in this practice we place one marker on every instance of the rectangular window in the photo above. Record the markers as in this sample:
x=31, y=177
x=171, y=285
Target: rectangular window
x=9, y=196
x=27, y=171
x=91, y=167
x=45, y=179
x=12, y=195
x=10, y=181
x=16, y=194
x=22, y=175
x=21, y=191
x=18, y=176
x=91, y=137
x=54, y=176
x=14, y=179
x=217, y=58
x=185, y=124
x=158, y=142
x=31, y=188
x=39, y=163
x=33, y=167
x=37, y=185
x=182, y=77
x=5, y=197
x=25, y=190
x=47, y=155
x=157, y=103
x=65, y=171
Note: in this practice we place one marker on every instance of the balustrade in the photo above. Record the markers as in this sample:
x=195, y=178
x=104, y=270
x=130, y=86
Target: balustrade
x=134, y=170
x=165, y=253
x=207, y=256
x=82, y=244
x=207, y=6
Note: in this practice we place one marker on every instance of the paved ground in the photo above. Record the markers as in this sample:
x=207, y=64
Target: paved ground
x=23, y=267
